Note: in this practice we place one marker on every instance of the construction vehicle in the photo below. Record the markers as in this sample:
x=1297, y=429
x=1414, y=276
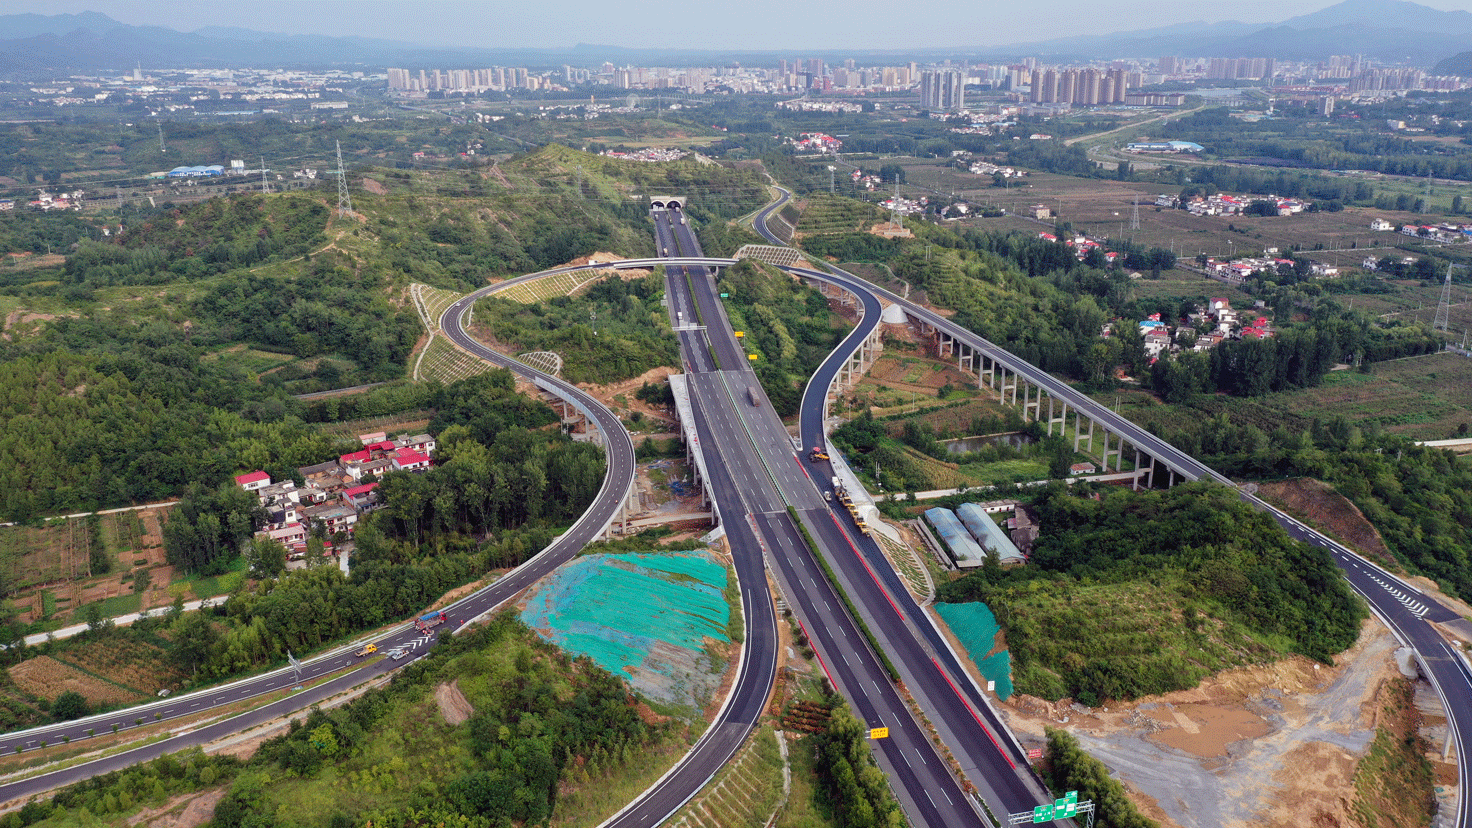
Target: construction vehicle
x=368, y=650
x=429, y=620
x=863, y=527
x=817, y=454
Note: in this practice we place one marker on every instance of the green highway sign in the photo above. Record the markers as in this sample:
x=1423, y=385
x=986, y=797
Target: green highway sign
x=1063, y=808
x=725, y=296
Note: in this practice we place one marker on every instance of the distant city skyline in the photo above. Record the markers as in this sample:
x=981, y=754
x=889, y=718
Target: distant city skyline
x=757, y=25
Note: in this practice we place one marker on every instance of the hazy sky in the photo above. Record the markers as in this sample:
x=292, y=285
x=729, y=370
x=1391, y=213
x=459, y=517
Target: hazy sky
x=732, y=24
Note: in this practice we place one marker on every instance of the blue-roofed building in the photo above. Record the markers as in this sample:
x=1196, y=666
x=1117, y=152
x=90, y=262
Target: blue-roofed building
x=988, y=534
x=1164, y=146
x=963, y=548
x=196, y=172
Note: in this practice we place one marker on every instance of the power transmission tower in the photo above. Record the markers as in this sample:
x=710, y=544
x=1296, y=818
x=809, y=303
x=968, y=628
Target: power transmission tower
x=1444, y=307
x=161, y=147
x=1135, y=216
x=265, y=183
x=580, y=181
x=344, y=199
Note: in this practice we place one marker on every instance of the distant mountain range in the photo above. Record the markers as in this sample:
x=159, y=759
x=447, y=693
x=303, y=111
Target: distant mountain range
x=1386, y=30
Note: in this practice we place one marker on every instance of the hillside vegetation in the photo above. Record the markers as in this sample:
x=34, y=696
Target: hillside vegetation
x=178, y=344
x=1144, y=592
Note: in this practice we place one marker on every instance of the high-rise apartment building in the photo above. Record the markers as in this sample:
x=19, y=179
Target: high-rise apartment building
x=943, y=89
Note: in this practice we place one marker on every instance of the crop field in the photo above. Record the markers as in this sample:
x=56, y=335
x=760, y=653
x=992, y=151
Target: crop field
x=823, y=214
x=410, y=421
x=1366, y=399
x=32, y=556
x=1446, y=376
x=1185, y=284
x=251, y=359
x=1422, y=398
x=48, y=677
x=1103, y=208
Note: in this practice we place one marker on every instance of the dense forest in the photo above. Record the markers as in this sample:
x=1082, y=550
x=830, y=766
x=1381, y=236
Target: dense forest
x=1139, y=593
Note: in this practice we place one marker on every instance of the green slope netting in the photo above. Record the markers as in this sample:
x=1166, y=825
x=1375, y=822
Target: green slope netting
x=645, y=616
x=976, y=627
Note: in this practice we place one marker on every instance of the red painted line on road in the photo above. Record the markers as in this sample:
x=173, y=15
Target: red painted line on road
x=867, y=568
x=972, y=711
x=818, y=655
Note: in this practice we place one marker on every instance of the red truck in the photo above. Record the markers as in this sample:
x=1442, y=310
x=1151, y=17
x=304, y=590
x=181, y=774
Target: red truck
x=430, y=620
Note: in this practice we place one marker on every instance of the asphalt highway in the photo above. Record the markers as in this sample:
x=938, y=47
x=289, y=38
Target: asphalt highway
x=747, y=446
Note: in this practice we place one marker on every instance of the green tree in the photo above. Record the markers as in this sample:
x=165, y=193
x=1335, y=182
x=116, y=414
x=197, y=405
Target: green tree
x=70, y=705
x=266, y=557
x=194, y=641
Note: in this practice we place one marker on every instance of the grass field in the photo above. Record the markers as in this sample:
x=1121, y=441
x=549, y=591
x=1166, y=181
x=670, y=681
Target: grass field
x=547, y=287
x=434, y=301
x=1138, y=622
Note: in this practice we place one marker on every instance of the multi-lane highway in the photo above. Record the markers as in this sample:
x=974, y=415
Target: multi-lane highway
x=1408, y=612
x=749, y=443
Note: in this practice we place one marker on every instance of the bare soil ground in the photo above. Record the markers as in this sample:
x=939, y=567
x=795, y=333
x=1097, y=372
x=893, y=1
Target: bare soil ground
x=1269, y=745
x=185, y=811
x=454, y=707
x=1326, y=509
x=619, y=396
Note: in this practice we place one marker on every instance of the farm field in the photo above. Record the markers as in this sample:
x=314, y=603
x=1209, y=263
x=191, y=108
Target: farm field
x=1103, y=208
x=45, y=569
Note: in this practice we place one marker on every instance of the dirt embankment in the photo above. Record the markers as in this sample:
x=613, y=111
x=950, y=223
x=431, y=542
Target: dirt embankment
x=1319, y=505
x=454, y=707
x=1270, y=745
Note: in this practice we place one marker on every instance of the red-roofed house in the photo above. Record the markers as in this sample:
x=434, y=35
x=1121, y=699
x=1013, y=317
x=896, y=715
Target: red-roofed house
x=410, y=460
x=360, y=497
x=360, y=456
x=252, y=481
